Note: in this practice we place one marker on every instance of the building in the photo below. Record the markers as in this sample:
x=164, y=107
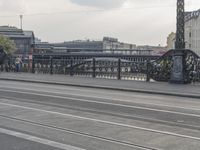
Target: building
x=171, y=40
x=192, y=31
x=106, y=43
x=83, y=46
x=24, y=40
x=113, y=43
x=156, y=50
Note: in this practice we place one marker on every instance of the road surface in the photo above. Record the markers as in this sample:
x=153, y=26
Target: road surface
x=42, y=116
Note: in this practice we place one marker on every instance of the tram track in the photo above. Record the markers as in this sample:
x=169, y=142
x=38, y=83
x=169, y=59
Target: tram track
x=107, y=101
x=118, y=109
x=77, y=117
x=70, y=118
x=112, y=114
x=101, y=102
x=104, y=98
x=84, y=134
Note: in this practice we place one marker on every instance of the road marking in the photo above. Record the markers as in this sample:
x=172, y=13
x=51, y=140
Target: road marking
x=105, y=98
x=107, y=103
x=110, y=140
x=136, y=95
x=8, y=99
x=39, y=140
x=103, y=121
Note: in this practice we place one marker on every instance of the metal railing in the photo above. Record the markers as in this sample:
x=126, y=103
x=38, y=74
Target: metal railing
x=110, y=68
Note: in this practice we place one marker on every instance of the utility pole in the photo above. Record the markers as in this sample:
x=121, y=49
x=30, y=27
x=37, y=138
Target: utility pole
x=178, y=69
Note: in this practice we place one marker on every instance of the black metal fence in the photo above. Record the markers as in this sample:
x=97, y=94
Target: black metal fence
x=9, y=66
x=111, y=68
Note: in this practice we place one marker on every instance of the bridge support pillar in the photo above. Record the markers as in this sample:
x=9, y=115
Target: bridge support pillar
x=178, y=69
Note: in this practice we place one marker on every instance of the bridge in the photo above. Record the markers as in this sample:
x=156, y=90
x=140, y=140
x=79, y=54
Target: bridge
x=176, y=66
x=46, y=107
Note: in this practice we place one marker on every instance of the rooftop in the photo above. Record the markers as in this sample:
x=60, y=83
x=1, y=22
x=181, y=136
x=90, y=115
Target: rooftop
x=192, y=15
x=11, y=31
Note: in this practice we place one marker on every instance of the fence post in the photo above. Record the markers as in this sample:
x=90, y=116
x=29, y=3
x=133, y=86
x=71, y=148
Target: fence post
x=71, y=67
x=147, y=71
x=33, y=65
x=9, y=64
x=51, y=65
x=119, y=69
x=94, y=68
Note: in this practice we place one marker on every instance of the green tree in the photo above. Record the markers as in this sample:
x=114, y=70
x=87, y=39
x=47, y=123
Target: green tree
x=7, y=44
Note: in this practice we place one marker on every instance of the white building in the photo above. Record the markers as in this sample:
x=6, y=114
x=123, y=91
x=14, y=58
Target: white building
x=192, y=31
x=171, y=41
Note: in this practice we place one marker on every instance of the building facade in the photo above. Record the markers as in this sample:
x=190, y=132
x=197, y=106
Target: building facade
x=171, y=40
x=156, y=50
x=83, y=46
x=24, y=40
x=113, y=43
x=192, y=31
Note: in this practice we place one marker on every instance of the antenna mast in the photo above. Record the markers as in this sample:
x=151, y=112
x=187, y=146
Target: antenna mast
x=21, y=21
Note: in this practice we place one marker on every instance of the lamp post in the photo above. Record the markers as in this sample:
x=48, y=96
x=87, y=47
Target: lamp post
x=178, y=69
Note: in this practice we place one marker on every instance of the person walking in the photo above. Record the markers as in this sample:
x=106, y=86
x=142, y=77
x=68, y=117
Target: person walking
x=18, y=62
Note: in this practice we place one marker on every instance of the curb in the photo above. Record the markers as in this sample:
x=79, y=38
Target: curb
x=105, y=87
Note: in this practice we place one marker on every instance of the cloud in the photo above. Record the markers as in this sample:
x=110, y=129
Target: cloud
x=105, y=4
x=10, y=6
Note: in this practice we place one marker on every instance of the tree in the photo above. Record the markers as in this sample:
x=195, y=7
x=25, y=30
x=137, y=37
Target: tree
x=7, y=45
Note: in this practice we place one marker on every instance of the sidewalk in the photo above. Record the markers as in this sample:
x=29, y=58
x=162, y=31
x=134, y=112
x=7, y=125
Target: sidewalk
x=122, y=85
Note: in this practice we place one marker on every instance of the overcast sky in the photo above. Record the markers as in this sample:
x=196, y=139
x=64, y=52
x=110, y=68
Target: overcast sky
x=134, y=21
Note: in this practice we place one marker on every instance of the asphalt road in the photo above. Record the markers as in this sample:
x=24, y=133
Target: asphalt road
x=64, y=117
x=9, y=142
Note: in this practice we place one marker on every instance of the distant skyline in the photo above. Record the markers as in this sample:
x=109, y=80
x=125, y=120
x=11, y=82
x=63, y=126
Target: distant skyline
x=141, y=22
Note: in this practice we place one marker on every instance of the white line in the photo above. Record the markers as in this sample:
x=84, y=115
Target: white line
x=39, y=140
x=103, y=121
x=84, y=134
x=8, y=99
x=115, y=99
x=105, y=98
x=107, y=103
x=130, y=94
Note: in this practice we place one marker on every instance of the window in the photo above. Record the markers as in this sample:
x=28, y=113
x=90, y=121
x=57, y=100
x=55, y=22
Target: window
x=190, y=34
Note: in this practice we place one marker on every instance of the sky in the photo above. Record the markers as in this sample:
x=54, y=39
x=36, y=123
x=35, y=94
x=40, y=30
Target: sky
x=141, y=22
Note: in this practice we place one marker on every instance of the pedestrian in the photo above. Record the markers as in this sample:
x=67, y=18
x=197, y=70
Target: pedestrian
x=18, y=62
